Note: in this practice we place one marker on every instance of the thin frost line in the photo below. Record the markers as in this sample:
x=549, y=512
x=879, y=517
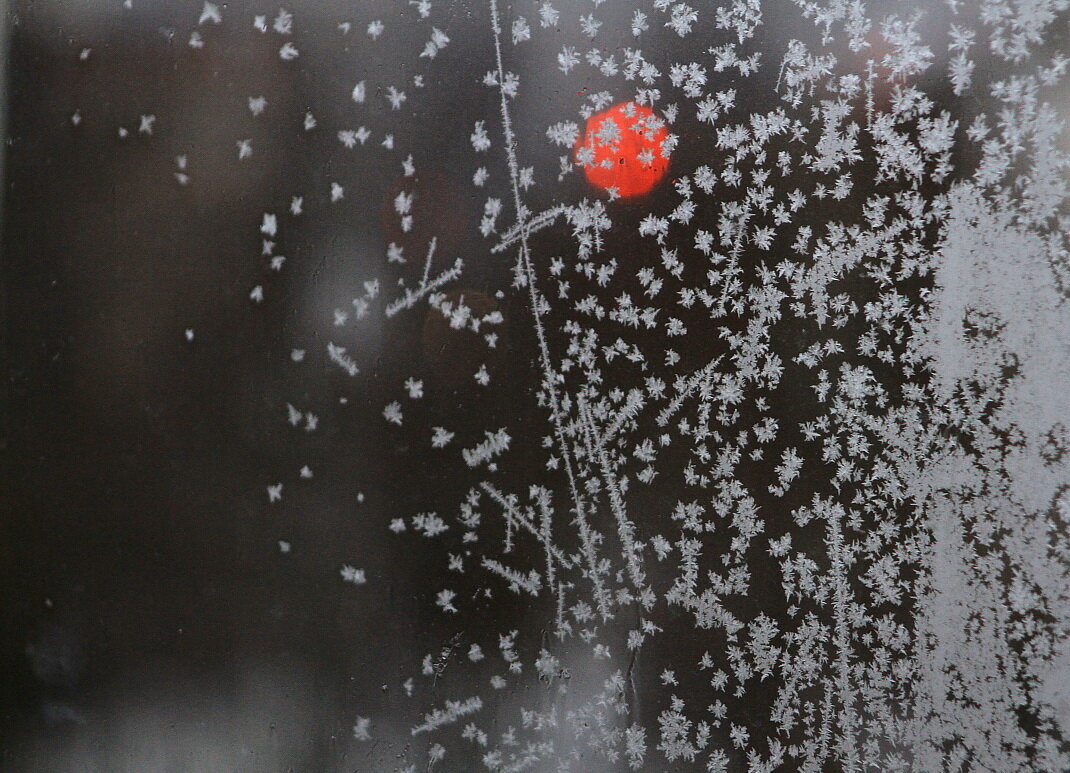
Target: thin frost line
x=427, y=263
x=625, y=528
x=529, y=583
x=533, y=224
x=632, y=405
x=515, y=518
x=693, y=383
x=586, y=537
x=411, y=297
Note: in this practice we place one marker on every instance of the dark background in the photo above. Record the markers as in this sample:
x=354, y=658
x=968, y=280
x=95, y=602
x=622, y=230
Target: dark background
x=149, y=620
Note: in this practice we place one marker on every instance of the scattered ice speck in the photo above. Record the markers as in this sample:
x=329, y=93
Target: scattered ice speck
x=146, y=124
x=274, y=492
x=521, y=30
x=257, y=105
x=358, y=93
x=337, y=192
x=479, y=138
x=349, y=137
x=362, y=729
x=257, y=294
x=397, y=525
x=297, y=355
x=353, y=575
x=440, y=437
x=245, y=149
x=423, y=7
x=360, y=496
x=269, y=224
x=415, y=388
x=548, y=15
x=195, y=40
x=439, y=40
x=429, y=524
x=189, y=334
x=310, y=122
x=396, y=98
x=210, y=13
x=296, y=205
x=123, y=132
x=284, y=546
x=260, y=23
x=288, y=52
x=284, y=22
x=375, y=29
x=444, y=600
x=392, y=413
x=76, y=118
x=306, y=472
x=84, y=53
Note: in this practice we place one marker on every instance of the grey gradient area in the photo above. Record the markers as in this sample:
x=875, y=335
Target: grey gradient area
x=350, y=424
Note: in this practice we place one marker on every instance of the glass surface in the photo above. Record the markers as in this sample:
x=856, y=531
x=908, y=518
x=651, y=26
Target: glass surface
x=535, y=386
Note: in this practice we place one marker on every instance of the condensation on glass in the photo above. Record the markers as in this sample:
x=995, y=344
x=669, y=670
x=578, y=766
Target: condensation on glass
x=536, y=385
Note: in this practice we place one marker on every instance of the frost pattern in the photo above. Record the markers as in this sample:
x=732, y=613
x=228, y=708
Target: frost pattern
x=784, y=480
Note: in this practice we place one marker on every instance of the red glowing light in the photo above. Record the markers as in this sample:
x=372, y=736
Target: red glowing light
x=622, y=149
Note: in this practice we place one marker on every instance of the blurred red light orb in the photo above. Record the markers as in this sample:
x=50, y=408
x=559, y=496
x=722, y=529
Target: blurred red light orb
x=622, y=148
